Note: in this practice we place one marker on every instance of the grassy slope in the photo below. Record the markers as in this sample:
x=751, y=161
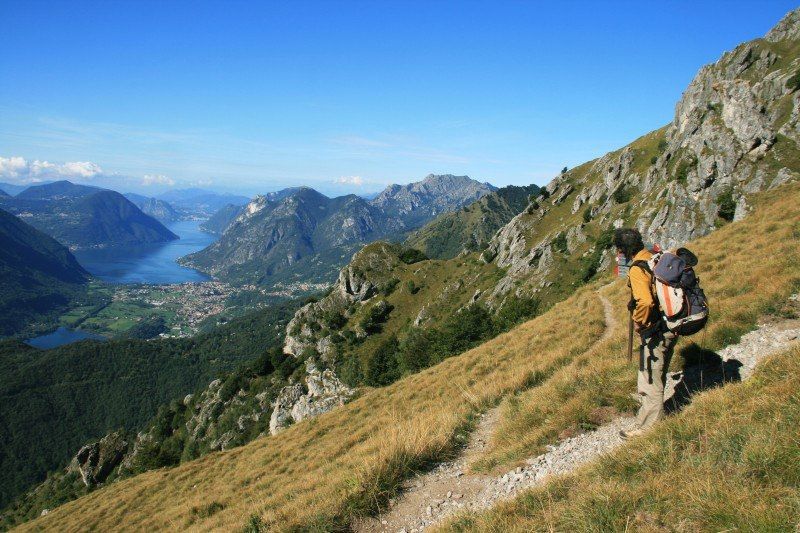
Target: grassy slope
x=323, y=471
x=729, y=462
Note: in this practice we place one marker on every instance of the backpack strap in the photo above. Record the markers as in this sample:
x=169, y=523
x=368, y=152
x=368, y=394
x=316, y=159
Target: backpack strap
x=644, y=265
x=641, y=263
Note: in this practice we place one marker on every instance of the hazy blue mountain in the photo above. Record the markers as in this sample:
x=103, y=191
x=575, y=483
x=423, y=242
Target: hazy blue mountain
x=306, y=231
x=158, y=209
x=38, y=276
x=57, y=190
x=79, y=216
x=200, y=202
x=222, y=219
x=11, y=189
x=4, y=193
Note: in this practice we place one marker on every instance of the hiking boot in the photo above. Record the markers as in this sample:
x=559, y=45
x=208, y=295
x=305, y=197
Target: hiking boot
x=630, y=433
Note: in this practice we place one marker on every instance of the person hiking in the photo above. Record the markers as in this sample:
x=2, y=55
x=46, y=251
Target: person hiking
x=657, y=341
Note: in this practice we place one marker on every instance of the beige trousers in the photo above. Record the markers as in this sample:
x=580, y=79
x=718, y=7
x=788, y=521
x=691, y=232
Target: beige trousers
x=655, y=355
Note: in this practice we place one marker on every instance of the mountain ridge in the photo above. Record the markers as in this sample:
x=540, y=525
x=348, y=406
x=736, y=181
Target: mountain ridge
x=81, y=216
x=277, y=236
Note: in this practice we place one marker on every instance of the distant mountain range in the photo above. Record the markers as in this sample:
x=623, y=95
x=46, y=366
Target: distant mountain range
x=200, y=202
x=302, y=235
x=12, y=190
x=37, y=274
x=82, y=216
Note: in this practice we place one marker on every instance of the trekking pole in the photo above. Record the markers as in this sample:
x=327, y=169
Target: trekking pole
x=630, y=339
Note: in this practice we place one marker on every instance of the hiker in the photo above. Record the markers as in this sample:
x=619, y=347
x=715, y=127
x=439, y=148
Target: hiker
x=658, y=341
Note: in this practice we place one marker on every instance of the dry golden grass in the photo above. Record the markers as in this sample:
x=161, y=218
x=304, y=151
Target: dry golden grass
x=702, y=462
x=320, y=473
x=760, y=252
x=729, y=462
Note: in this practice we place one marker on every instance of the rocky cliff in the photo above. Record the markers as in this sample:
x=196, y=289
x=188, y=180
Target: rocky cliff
x=735, y=132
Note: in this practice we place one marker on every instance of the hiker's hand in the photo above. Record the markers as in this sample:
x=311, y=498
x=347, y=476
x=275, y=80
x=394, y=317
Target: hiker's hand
x=637, y=327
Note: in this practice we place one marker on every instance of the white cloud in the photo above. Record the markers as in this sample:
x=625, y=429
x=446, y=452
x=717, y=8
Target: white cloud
x=350, y=180
x=157, y=179
x=84, y=169
x=12, y=167
x=19, y=170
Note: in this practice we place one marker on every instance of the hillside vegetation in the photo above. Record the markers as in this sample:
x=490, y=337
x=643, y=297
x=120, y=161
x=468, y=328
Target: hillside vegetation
x=54, y=401
x=38, y=276
x=471, y=227
x=322, y=472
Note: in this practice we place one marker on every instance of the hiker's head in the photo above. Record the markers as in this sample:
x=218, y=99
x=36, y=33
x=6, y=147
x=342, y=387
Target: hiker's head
x=628, y=241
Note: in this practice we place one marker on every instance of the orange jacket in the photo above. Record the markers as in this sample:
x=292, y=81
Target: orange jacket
x=640, y=282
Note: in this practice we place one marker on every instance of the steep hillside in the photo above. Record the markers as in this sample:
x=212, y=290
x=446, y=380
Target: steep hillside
x=79, y=216
x=38, y=276
x=471, y=227
x=54, y=401
x=222, y=219
x=299, y=237
x=158, y=209
x=562, y=239
x=319, y=474
x=735, y=132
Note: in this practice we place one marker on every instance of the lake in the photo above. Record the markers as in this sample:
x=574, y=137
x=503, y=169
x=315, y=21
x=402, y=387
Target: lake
x=61, y=336
x=150, y=263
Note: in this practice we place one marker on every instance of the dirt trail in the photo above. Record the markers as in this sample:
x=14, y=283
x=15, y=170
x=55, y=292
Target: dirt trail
x=430, y=497
x=450, y=486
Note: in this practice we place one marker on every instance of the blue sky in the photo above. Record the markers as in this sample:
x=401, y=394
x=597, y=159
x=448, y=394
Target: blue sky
x=343, y=96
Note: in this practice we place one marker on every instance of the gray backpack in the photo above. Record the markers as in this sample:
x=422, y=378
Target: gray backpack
x=683, y=303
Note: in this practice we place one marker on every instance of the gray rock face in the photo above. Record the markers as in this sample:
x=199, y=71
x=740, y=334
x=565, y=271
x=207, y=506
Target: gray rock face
x=418, y=202
x=95, y=462
x=323, y=391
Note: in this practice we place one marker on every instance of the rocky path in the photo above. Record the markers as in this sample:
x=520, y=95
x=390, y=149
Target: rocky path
x=450, y=487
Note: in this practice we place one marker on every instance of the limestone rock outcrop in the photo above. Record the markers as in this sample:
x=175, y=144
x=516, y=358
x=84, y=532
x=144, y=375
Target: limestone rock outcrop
x=322, y=392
